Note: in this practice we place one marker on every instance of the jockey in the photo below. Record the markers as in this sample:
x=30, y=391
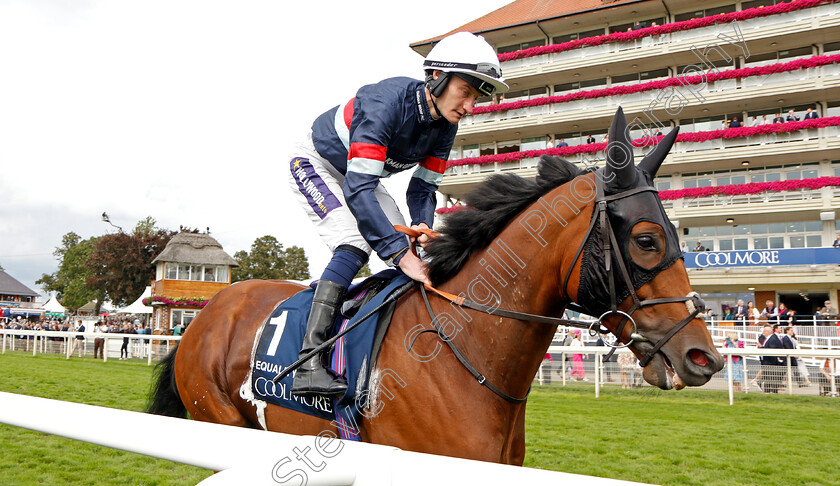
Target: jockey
x=389, y=127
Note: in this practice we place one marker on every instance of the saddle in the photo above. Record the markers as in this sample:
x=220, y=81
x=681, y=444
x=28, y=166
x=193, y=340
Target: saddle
x=278, y=341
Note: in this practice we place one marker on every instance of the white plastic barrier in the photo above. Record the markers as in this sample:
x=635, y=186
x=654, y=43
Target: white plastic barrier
x=39, y=341
x=255, y=457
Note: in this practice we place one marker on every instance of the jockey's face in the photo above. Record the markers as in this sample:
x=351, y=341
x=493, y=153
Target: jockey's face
x=457, y=100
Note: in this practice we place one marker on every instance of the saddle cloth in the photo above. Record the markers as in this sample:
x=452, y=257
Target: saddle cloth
x=278, y=341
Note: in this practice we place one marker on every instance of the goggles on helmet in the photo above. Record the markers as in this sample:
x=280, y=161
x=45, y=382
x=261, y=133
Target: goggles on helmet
x=484, y=68
x=481, y=85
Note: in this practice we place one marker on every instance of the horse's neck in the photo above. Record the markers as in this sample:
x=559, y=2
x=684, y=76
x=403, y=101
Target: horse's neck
x=521, y=270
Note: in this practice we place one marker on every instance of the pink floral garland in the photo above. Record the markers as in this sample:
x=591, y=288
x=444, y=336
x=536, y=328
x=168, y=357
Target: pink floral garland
x=811, y=62
x=176, y=302
x=750, y=188
x=683, y=137
x=728, y=190
x=664, y=29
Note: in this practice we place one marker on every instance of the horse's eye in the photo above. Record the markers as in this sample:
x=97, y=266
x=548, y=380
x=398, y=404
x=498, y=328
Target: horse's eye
x=646, y=242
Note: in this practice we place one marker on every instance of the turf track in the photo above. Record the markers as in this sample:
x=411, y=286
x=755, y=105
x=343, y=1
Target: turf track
x=690, y=437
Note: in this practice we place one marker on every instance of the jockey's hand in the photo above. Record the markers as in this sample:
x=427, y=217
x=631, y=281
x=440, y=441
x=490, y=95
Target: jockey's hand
x=414, y=267
x=422, y=239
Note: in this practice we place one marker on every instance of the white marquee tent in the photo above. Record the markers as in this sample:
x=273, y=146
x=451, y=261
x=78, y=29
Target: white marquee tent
x=137, y=307
x=54, y=306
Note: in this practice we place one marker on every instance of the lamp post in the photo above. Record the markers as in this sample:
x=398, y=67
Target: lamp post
x=108, y=220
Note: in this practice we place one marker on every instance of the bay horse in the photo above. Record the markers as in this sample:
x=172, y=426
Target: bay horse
x=598, y=238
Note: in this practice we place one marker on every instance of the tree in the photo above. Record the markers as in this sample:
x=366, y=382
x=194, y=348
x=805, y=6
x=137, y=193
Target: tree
x=269, y=261
x=69, y=281
x=120, y=266
x=364, y=272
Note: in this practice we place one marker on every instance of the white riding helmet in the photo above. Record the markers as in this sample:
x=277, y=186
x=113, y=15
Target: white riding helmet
x=469, y=57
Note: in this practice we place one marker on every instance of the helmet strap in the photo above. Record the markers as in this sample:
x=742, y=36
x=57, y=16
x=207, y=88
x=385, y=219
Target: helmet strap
x=437, y=110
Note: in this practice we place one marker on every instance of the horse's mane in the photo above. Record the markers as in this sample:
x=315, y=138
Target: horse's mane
x=490, y=207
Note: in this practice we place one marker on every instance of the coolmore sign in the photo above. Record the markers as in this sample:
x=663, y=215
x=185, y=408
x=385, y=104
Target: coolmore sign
x=750, y=258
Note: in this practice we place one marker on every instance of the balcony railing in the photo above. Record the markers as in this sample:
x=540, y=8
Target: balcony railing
x=749, y=28
x=644, y=99
x=764, y=197
x=598, y=158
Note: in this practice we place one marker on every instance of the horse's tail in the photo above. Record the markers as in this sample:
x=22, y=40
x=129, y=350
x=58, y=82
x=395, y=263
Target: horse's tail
x=164, y=398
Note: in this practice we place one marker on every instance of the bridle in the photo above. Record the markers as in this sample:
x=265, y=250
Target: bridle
x=611, y=248
x=610, y=244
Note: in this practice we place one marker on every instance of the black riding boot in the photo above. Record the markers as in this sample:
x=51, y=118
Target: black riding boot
x=312, y=377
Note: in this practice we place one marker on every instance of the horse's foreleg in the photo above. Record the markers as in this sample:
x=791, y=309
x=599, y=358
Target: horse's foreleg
x=514, y=449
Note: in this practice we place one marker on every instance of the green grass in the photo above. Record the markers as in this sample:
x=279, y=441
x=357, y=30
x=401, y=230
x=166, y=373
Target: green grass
x=33, y=458
x=690, y=437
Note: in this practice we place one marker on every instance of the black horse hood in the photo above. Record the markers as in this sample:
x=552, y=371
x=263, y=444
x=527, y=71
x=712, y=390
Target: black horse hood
x=621, y=176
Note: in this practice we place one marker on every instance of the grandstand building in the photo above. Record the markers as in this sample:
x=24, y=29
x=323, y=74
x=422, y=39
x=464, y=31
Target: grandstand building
x=761, y=196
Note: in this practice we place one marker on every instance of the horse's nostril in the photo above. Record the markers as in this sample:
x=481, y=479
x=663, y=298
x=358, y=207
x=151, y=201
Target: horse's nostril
x=698, y=357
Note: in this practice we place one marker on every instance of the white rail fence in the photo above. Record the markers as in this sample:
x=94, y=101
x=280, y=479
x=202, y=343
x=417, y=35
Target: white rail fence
x=813, y=381
x=140, y=345
x=786, y=378
x=256, y=457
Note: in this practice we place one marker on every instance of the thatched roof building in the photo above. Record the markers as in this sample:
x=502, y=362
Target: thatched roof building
x=195, y=248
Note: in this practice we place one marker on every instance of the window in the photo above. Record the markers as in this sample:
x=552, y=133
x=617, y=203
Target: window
x=799, y=51
x=625, y=78
x=534, y=143
x=593, y=82
x=536, y=43
x=559, y=39
x=720, y=10
x=656, y=73
x=797, y=234
x=559, y=88
x=769, y=56
x=199, y=273
x=813, y=241
x=591, y=33
x=506, y=147
x=759, y=3
x=516, y=94
x=691, y=69
x=520, y=46
x=690, y=15
x=577, y=35
x=663, y=183
x=510, y=48
x=181, y=317
x=813, y=226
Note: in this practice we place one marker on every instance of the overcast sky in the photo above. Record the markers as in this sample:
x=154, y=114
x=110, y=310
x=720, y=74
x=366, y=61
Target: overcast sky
x=182, y=110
